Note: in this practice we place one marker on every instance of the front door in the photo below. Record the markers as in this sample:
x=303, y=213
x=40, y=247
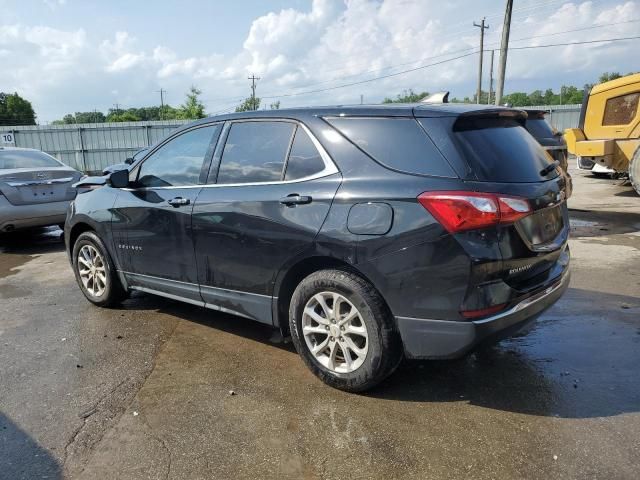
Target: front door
x=273, y=191
x=152, y=220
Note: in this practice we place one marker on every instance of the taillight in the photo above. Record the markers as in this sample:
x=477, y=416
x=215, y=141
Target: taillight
x=458, y=210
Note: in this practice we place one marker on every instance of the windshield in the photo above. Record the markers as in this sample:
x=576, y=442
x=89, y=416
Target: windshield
x=10, y=159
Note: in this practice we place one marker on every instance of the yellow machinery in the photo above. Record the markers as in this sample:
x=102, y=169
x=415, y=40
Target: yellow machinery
x=609, y=130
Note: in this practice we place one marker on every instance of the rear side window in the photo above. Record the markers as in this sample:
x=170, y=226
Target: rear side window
x=499, y=149
x=621, y=110
x=397, y=143
x=26, y=159
x=304, y=159
x=255, y=152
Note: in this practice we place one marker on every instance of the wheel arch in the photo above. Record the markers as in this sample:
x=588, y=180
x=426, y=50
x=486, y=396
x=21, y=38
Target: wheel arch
x=295, y=274
x=77, y=230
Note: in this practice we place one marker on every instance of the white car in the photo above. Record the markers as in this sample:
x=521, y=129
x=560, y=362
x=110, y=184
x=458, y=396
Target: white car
x=35, y=189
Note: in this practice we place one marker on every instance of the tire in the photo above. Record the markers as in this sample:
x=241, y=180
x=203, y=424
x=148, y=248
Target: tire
x=634, y=171
x=102, y=290
x=374, y=352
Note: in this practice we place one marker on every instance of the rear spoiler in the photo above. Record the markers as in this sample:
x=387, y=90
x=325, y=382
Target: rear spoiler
x=519, y=116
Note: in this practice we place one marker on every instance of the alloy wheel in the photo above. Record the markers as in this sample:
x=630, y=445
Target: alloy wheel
x=92, y=270
x=334, y=332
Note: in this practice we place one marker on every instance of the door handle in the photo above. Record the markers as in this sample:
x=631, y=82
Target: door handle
x=178, y=202
x=295, y=199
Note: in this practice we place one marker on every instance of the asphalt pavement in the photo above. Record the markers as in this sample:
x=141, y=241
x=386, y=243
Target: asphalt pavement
x=157, y=389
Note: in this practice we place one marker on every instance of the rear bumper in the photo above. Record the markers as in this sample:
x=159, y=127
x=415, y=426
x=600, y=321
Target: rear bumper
x=424, y=338
x=15, y=217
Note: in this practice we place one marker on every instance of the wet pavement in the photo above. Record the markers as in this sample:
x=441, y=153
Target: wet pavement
x=144, y=391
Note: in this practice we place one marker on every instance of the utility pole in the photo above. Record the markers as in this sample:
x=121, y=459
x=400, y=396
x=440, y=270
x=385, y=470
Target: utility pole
x=491, y=79
x=504, y=46
x=482, y=29
x=253, y=79
x=361, y=99
x=117, y=105
x=162, y=92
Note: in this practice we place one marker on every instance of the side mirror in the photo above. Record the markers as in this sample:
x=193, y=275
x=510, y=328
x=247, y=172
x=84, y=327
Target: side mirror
x=119, y=179
x=129, y=161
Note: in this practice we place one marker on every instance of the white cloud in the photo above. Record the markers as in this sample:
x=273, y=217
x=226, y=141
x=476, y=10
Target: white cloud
x=329, y=44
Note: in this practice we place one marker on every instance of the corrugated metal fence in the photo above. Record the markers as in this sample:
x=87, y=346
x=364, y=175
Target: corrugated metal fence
x=562, y=116
x=90, y=147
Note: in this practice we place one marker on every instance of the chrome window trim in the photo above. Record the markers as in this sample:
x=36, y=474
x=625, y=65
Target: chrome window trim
x=330, y=167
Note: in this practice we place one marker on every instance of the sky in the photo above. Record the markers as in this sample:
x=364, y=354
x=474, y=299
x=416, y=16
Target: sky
x=80, y=55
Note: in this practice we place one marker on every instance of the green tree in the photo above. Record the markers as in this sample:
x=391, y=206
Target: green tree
x=192, y=108
x=123, y=116
x=15, y=110
x=516, y=99
x=249, y=104
x=607, y=76
x=407, y=96
x=275, y=105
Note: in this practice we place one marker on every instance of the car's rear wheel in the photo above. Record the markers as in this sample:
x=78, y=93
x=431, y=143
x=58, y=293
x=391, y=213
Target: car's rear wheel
x=95, y=272
x=343, y=330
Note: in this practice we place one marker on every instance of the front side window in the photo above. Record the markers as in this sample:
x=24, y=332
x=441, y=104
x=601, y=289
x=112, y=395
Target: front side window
x=304, y=159
x=179, y=161
x=621, y=110
x=255, y=152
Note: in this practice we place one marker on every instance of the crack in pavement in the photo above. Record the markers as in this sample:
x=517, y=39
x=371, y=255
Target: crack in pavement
x=94, y=409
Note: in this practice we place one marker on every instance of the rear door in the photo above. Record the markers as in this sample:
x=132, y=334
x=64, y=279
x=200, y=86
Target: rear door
x=270, y=188
x=152, y=220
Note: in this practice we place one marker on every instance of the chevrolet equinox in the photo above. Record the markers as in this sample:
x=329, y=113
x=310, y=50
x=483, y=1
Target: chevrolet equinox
x=367, y=233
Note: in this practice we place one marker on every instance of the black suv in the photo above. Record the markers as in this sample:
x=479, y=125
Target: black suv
x=367, y=233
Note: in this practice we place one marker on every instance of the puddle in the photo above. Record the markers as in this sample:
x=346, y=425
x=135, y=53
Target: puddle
x=9, y=263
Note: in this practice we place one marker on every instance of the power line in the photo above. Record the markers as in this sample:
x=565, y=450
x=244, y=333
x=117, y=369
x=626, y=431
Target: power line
x=441, y=62
x=566, y=44
x=430, y=58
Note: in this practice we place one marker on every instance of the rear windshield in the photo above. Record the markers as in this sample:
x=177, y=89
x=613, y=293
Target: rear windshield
x=539, y=128
x=26, y=159
x=397, y=143
x=497, y=149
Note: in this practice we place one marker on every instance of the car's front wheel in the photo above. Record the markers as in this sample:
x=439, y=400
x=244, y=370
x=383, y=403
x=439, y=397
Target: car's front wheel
x=95, y=272
x=343, y=330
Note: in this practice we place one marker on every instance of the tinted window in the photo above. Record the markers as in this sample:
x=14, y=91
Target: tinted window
x=304, y=159
x=179, y=161
x=499, y=150
x=255, y=152
x=26, y=159
x=621, y=110
x=539, y=128
x=400, y=144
